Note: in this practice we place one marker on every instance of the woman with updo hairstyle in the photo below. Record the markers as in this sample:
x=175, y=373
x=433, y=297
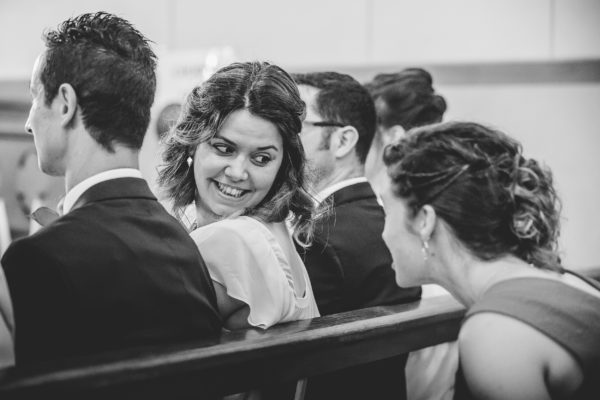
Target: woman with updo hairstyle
x=466, y=210
x=403, y=100
x=235, y=154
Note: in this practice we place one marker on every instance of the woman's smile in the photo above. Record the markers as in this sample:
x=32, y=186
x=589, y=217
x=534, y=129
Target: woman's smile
x=230, y=191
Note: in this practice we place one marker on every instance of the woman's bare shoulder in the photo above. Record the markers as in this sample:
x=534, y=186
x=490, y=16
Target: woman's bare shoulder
x=502, y=357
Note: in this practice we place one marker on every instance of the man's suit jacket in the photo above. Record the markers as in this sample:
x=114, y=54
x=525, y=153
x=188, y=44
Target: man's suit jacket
x=348, y=263
x=116, y=271
x=350, y=268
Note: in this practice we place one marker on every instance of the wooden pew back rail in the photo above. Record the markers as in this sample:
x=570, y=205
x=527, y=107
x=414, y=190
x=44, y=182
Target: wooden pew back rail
x=244, y=360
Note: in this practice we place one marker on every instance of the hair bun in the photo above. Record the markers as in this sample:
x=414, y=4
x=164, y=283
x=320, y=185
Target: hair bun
x=439, y=103
x=535, y=218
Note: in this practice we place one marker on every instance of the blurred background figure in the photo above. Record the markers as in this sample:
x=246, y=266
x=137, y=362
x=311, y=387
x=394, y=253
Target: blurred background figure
x=465, y=209
x=403, y=101
x=7, y=326
x=35, y=189
x=151, y=153
x=167, y=117
x=5, y=236
x=7, y=352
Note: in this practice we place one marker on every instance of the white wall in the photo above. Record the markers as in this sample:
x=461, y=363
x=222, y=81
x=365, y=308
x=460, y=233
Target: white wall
x=23, y=21
x=311, y=33
x=558, y=125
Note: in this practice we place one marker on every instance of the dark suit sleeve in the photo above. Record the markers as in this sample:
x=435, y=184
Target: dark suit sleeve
x=349, y=264
x=38, y=295
x=378, y=287
x=326, y=276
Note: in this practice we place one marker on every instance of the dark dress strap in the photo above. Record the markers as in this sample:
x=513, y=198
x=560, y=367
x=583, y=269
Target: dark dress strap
x=567, y=315
x=588, y=280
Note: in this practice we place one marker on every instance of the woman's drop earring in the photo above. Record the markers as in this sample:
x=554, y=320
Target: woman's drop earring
x=189, y=161
x=425, y=249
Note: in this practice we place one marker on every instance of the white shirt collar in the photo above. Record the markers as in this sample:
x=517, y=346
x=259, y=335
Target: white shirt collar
x=328, y=191
x=76, y=191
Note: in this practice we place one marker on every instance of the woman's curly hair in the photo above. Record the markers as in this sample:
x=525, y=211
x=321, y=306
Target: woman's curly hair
x=496, y=201
x=266, y=91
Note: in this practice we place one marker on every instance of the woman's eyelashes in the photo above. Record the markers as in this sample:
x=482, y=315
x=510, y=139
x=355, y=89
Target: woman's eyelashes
x=262, y=159
x=222, y=148
x=225, y=149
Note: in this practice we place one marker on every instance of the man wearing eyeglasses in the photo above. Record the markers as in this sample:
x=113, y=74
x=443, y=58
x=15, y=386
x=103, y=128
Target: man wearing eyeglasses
x=348, y=262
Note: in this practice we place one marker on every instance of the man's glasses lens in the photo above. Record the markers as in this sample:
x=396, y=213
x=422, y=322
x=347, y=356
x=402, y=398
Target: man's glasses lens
x=325, y=123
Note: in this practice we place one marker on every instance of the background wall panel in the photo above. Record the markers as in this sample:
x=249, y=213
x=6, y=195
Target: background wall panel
x=576, y=32
x=460, y=30
x=294, y=34
x=23, y=21
x=557, y=125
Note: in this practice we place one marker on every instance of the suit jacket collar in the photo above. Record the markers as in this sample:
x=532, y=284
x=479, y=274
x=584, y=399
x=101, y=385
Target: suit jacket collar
x=358, y=191
x=119, y=188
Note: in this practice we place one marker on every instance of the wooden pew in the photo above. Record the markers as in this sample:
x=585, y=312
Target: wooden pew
x=247, y=359
x=244, y=360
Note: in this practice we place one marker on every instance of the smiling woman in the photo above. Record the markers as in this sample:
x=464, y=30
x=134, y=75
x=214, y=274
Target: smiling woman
x=235, y=152
x=236, y=168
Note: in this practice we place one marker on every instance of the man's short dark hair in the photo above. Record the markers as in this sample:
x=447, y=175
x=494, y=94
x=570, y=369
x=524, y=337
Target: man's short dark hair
x=111, y=67
x=341, y=98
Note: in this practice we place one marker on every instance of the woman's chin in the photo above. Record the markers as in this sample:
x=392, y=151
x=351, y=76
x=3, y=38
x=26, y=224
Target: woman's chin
x=213, y=212
x=404, y=280
x=229, y=212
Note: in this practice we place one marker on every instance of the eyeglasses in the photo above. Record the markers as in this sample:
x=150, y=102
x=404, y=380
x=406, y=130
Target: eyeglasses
x=325, y=123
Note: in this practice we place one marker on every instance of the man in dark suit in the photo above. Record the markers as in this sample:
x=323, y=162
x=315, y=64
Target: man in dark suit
x=348, y=262
x=116, y=270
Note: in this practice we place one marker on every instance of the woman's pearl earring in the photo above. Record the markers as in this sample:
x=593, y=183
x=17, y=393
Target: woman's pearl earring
x=190, y=160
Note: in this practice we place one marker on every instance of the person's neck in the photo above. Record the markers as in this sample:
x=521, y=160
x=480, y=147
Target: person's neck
x=374, y=163
x=375, y=169
x=340, y=174
x=472, y=277
x=88, y=164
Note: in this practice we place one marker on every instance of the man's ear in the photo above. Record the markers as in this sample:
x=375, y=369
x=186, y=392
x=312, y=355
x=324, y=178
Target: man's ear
x=344, y=139
x=424, y=223
x=67, y=101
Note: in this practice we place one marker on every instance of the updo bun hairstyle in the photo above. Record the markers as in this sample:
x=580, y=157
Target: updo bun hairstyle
x=496, y=201
x=406, y=98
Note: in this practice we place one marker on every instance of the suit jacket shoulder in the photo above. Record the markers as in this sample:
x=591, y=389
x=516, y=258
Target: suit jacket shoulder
x=116, y=271
x=349, y=264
